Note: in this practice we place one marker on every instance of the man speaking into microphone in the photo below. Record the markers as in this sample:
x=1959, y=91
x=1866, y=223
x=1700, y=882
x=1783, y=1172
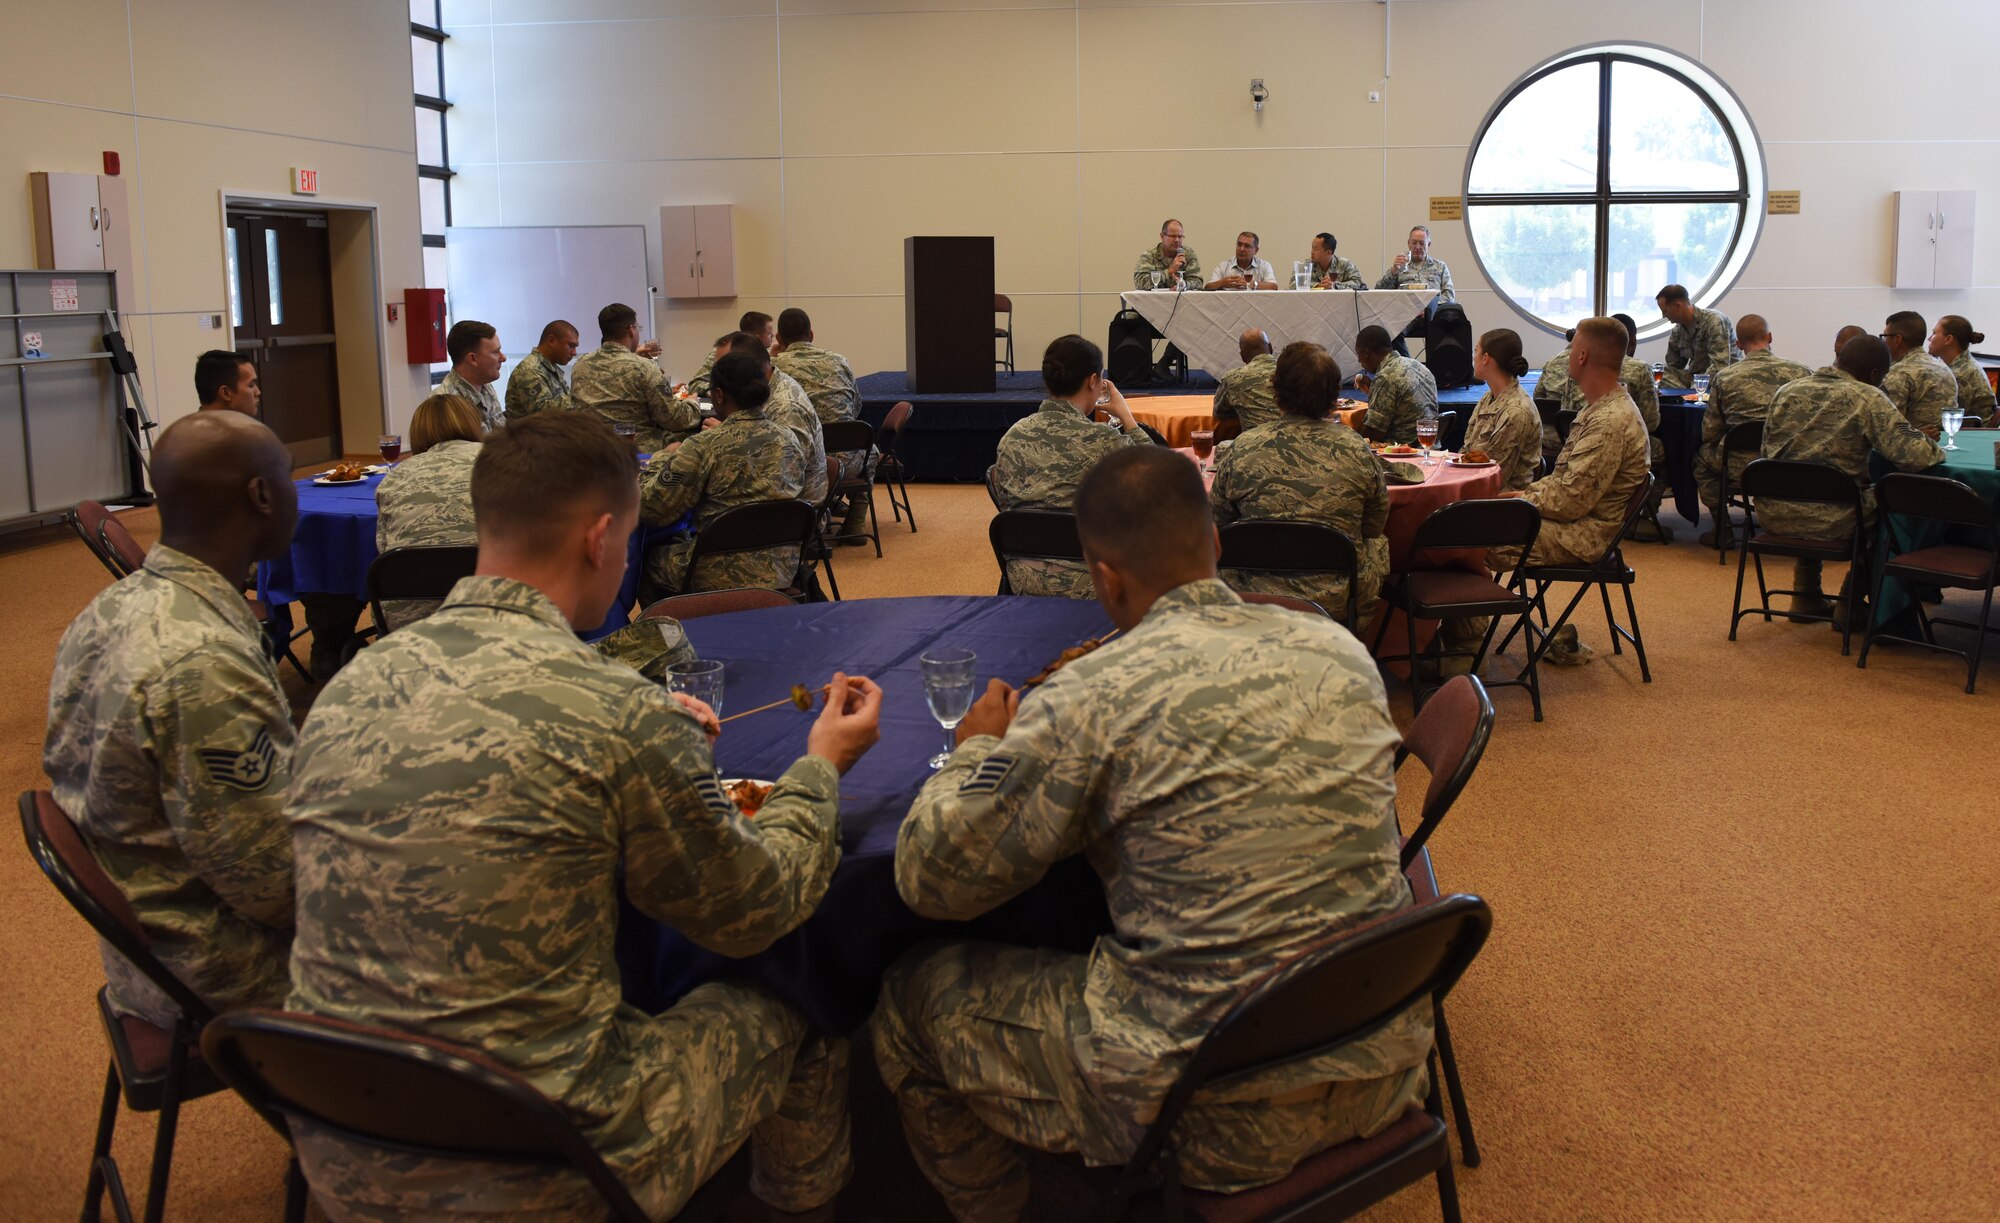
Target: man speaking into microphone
x=1170, y=265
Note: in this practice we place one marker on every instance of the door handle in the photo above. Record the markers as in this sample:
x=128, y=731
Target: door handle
x=690, y=269
x=93, y=217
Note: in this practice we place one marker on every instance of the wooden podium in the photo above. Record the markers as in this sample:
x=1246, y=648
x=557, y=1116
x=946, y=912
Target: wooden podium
x=948, y=314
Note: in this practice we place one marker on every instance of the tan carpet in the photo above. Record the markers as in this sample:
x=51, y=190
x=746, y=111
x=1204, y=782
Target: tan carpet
x=1742, y=964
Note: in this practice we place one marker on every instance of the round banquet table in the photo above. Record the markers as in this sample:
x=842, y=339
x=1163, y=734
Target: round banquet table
x=831, y=966
x=1178, y=416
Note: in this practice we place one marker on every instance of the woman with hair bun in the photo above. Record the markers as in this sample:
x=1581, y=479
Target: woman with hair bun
x=1504, y=425
x=1951, y=342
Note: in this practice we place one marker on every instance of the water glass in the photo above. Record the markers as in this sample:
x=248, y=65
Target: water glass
x=1701, y=385
x=700, y=679
x=948, y=688
x=1953, y=418
x=1158, y=277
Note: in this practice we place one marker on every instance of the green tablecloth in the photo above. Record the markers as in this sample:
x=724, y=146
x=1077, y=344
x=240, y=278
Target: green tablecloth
x=1972, y=464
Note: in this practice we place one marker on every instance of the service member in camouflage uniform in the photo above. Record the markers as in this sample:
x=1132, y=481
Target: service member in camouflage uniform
x=426, y=500
x=1227, y=771
x=1401, y=391
x=623, y=387
x=1922, y=387
x=1172, y=259
x=1307, y=468
x=1638, y=379
x=476, y=358
x=1504, y=424
x=169, y=740
x=1702, y=341
x=753, y=323
x=1041, y=459
x=488, y=921
x=1951, y=342
x=537, y=384
x=1332, y=271
x=1637, y=376
x=829, y=382
x=746, y=457
x=1738, y=394
x=1415, y=269
x=789, y=406
x=1834, y=417
x=1244, y=395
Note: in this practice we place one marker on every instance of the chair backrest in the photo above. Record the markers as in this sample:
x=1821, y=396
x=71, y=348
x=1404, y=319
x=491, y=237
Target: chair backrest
x=87, y=520
x=1449, y=736
x=389, y=1090
x=832, y=479
x=58, y=848
x=1495, y=522
x=1002, y=304
x=418, y=573
x=1329, y=996
x=119, y=543
x=891, y=431
x=1554, y=415
x=1159, y=439
x=1744, y=436
x=843, y=436
x=1291, y=602
x=749, y=528
x=716, y=603
x=1938, y=498
x=1791, y=480
x=1040, y=534
x=1274, y=545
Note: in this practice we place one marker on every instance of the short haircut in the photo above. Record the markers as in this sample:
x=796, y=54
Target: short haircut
x=793, y=323
x=1251, y=234
x=1841, y=337
x=465, y=337
x=615, y=320
x=750, y=346
x=215, y=369
x=727, y=337
x=445, y=418
x=753, y=322
x=1866, y=357
x=1752, y=328
x=1908, y=326
x=1170, y=221
x=1502, y=346
x=1605, y=337
x=559, y=328
x=1631, y=326
x=1307, y=381
x=1569, y=334
x=1068, y=362
x=1959, y=328
x=741, y=377
x=1327, y=240
x=1143, y=509
x=1372, y=338
x=535, y=476
x=1425, y=228
x=1672, y=293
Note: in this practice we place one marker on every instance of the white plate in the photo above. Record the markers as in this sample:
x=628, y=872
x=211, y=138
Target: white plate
x=1460, y=463
x=340, y=483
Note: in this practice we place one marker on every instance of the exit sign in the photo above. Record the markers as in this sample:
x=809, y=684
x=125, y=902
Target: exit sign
x=304, y=181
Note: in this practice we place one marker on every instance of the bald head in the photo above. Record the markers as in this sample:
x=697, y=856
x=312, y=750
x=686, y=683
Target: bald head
x=1865, y=358
x=1252, y=344
x=224, y=486
x=1752, y=333
x=1841, y=337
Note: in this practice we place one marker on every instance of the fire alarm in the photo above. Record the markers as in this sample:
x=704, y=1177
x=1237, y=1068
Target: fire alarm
x=395, y=311
x=110, y=161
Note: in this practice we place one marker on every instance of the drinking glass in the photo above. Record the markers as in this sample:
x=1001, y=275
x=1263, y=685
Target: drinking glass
x=1953, y=418
x=700, y=679
x=1427, y=433
x=948, y=688
x=1700, y=384
x=1204, y=446
x=1659, y=372
x=1157, y=278
x=629, y=432
x=391, y=447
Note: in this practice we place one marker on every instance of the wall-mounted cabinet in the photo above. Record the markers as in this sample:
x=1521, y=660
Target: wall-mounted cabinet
x=1934, y=239
x=81, y=225
x=700, y=245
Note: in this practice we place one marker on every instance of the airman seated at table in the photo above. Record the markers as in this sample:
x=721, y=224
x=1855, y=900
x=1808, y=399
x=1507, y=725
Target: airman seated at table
x=1951, y=342
x=489, y=923
x=1306, y=467
x=1638, y=379
x=753, y=323
x=227, y=381
x=1701, y=341
x=1226, y=768
x=426, y=500
x=828, y=381
x=537, y=383
x=1244, y=399
x=1922, y=387
x=1739, y=393
x=476, y=358
x=1172, y=261
x=1246, y=271
x=1504, y=425
x=1401, y=391
x=169, y=738
x=620, y=383
x=789, y=406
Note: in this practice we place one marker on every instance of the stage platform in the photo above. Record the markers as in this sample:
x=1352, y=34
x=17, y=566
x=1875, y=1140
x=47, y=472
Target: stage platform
x=953, y=437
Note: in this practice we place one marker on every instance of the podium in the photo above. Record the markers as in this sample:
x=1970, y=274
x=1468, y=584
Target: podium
x=948, y=314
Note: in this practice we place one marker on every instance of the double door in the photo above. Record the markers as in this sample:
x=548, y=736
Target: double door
x=281, y=306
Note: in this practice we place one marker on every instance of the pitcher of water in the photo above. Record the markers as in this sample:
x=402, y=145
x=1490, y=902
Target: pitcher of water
x=1301, y=274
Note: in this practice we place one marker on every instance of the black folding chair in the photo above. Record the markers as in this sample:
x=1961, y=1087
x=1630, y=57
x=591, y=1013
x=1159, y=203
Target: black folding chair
x=1441, y=594
x=1789, y=480
x=158, y=1068
x=850, y=437
x=756, y=527
x=416, y=573
x=1745, y=437
x=1032, y=535
x=1959, y=566
x=1330, y=996
x=1293, y=549
x=890, y=471
x=1158, y=438
x=1608, y=570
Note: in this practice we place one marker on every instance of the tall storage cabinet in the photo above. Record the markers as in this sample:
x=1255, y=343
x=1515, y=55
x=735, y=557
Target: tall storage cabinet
x=699, y=241
x=81, y=225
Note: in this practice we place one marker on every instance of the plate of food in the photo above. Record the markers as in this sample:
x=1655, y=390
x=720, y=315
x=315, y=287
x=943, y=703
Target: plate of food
x=748, y=794
x=1473, y=458
x=342, y=473
x=1400, y=451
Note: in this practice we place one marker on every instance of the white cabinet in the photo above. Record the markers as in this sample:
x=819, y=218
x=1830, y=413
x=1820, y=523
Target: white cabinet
x=1934, y=239
x=699, y=241
x=80, y=225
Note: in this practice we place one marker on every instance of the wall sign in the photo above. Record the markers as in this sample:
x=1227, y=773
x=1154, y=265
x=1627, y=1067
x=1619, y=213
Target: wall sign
x=1447, y=208
x=62, y=295
x=305, y=181
x=1781, y=203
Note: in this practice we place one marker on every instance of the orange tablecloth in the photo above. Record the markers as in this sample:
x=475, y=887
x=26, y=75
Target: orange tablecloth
x=1178, y=416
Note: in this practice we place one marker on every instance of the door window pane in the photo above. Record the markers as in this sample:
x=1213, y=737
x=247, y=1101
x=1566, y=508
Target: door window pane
x=236, y=261
x=271, y=276
x=424, y=12
x=430, y=137
x=434, y=264
x=1545, y=139
x=430, y=199
x=1539, y=255
x=424, y=69
x=1655, y=245
x=1664, y=137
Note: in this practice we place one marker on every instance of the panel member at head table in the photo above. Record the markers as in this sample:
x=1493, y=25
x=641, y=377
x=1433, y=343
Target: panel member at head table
x=1170, y=265
x=1415, y=269
x=476, y=358
x=1226, y=768
x=1246, y=271
x=1330, y=270
x=227, y=381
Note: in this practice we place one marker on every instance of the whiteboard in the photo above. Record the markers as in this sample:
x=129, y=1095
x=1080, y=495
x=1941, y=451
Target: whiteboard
x=518, y=278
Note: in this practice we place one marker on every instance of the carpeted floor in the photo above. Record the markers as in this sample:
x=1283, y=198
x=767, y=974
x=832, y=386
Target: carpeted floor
x=1742, y=964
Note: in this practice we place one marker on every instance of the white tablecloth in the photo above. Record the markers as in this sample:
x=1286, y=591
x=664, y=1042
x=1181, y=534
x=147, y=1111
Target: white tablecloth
x=1205, y=325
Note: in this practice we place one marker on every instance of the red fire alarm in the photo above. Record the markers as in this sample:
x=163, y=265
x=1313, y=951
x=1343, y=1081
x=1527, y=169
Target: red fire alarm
x=425, y=330
x=111, y=161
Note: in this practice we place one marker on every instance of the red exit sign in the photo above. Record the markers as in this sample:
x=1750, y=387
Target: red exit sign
x=304, y=181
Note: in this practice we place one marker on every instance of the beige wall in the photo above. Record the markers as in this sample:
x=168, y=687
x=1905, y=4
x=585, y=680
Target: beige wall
x=1069, y=129
x=206, y=97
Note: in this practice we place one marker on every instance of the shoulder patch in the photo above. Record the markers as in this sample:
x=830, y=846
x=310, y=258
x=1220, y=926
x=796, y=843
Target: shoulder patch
x=987, y=778
x=248, y=770
x=710, y=789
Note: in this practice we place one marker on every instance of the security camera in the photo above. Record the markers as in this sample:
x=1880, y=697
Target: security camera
x=1258, y=93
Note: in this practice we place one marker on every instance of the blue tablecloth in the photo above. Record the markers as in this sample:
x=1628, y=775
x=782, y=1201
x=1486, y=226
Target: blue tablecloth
x=334, y=544
x=831, y=967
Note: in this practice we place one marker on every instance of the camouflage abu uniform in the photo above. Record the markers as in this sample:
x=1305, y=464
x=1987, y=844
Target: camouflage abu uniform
x=1583, y=500
x=828, y=381
x=627, y=389
x=1737, y=394
x=1555, y=385
x=698, y=385
x=1509, y=430
x=426, y=502
x=1833, y=419
x=1157, y=260
x=791, y=407
x=1420, y=274
x=1308, y=470
x=1342, y=272
x=1399, y=395
x=1226, y=770
x=1246, y=393
x=1921, y=387
x=745, y=459
x=536, y=385
x=485, y=398
x=169, y=745
x=469, y=795
x=1975, y=393
x=1702, y=347
x=1041, y=460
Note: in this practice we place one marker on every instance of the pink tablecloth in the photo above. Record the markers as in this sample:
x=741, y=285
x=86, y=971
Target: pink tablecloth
x=1178, y=416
